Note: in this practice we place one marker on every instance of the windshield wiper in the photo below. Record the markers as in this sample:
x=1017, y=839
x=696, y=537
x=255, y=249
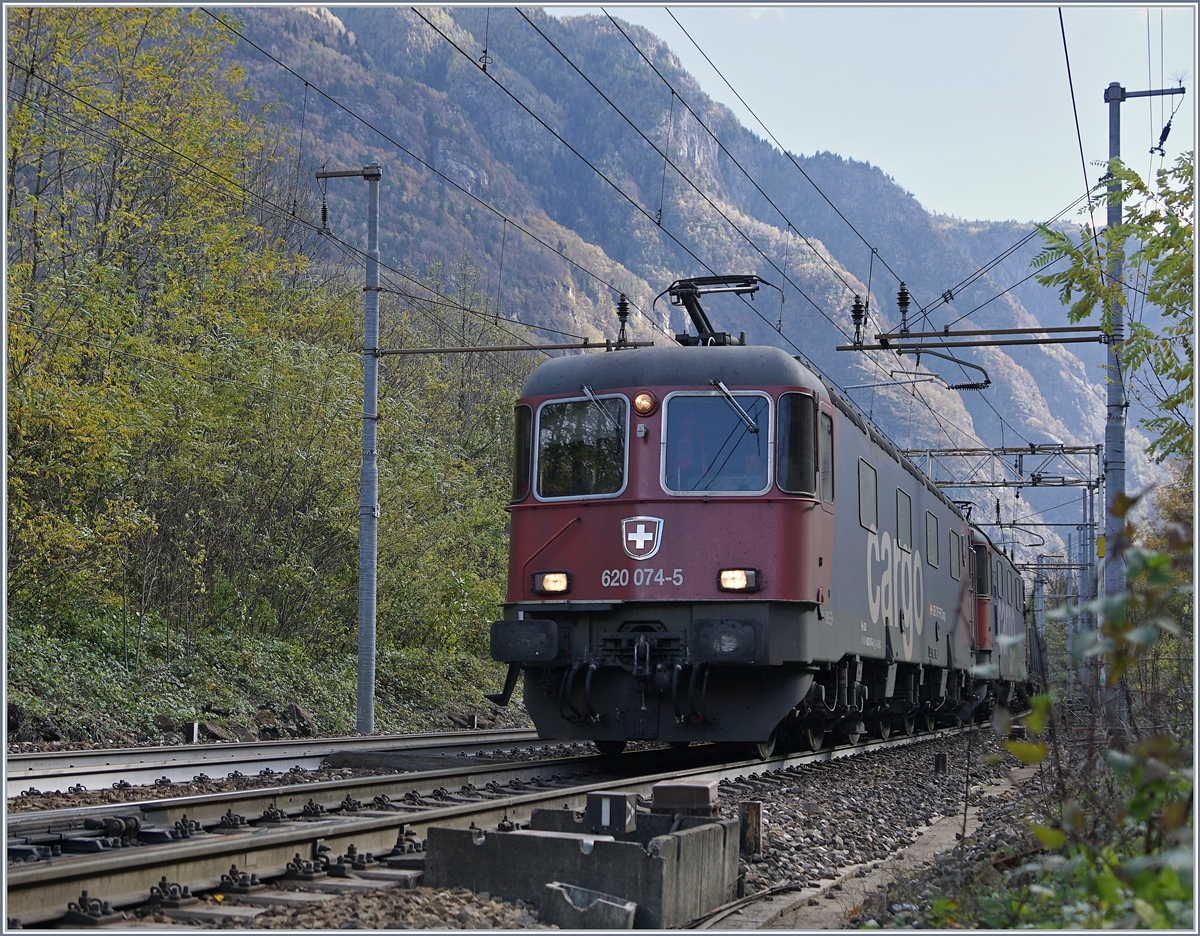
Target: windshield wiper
x=750, y=423
x=600, y=406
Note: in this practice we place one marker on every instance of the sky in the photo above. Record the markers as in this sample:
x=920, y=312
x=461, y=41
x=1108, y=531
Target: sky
x=968, y=107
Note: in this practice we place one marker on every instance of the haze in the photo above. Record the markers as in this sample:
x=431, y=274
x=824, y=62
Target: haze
x=968, y=108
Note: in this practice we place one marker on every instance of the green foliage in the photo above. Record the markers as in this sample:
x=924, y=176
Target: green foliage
x=1160, y=225
x=184, y=385
x=1121, y=843
x=81, y=682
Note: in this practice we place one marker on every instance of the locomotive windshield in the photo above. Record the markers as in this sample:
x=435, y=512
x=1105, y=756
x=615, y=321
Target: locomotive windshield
x=711, y=448
x=581, y=448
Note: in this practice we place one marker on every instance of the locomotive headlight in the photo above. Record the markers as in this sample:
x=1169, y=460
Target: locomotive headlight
x=551, y=583
x=644, y=403
x=741, y=580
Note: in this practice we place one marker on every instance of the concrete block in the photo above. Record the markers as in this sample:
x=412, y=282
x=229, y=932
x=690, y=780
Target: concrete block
x=689, y=797
x=675, y=868
x=215, y=914
x=578, y=908
x=404, y=878
x=276, y=898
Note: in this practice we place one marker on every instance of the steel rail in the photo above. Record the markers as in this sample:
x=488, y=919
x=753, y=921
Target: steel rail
x=143, y=765
x=40, y=891
x=208, y=808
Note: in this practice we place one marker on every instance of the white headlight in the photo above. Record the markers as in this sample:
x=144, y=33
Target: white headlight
x=738, y=580
x=547, y=583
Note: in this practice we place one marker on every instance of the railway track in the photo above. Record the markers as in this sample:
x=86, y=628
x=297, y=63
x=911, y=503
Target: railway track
x=96, y=769
x=198, y=838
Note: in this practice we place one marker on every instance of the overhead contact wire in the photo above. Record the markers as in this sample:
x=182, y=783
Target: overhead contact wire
x=267, y=205
x=725, y=150
x=656, y=149
x=413, y=156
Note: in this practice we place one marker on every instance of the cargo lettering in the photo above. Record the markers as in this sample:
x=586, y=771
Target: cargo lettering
x=895, y=588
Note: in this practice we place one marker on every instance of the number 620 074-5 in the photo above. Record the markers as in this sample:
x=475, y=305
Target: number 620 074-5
x=617, y=577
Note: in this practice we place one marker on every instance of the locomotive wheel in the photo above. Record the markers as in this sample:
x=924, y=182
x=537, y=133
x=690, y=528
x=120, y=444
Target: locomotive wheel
x=929, y=721
x=883, y=727
x=761, y=750
x=850, y=737
x=909, y=725
x=610, y=748
x=811, y=739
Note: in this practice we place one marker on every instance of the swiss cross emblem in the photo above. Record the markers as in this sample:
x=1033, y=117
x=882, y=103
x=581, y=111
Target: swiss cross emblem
x=641, y=536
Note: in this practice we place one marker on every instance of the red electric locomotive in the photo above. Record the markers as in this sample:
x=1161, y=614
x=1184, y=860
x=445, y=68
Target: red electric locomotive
x=709, y=545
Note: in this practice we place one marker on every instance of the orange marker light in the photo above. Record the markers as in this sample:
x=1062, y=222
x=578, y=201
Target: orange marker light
x=644, y=403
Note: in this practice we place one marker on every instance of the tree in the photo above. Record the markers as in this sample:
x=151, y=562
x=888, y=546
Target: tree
x=1160, y=360
x=176, y=428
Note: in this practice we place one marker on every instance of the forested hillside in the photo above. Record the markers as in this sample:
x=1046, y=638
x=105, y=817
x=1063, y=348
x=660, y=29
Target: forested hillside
x=184, y=401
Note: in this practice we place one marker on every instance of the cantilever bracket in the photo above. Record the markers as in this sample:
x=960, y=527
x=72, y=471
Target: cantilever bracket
x=987, y=381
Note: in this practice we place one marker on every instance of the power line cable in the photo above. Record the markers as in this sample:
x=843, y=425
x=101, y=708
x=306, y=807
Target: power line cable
x=713, y=205
x=1079, y=136
x=460, y=188
x=264, y=202
x=782, y=148
x=654, y=324
x=725, y=150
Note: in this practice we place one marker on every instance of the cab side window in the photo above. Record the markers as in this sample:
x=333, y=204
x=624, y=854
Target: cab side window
x=903, y=521
x=981, y=572
x=868, y=507
x=825, y=445
x=522, y=451
x=797, y=444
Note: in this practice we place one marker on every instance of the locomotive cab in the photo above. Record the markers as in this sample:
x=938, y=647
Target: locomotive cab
x=672, y=526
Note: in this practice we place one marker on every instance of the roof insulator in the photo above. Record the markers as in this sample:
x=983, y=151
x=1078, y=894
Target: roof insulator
x=902, y=300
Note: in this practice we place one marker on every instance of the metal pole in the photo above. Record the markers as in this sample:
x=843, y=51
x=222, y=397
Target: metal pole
x=1072, y=620
x=368, y=501
x=1039, y=591
x=1114, y=427
x=368, y=508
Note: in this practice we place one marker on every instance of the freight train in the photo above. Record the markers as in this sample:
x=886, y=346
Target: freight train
x=710, y=544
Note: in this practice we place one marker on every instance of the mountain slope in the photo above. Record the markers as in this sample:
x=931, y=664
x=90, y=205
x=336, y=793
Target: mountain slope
x=397, y=72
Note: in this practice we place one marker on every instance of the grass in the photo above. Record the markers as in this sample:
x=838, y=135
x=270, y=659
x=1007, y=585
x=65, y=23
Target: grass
x=77, y=680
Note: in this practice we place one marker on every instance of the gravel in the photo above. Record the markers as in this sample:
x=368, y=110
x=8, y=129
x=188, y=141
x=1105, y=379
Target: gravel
x=823, y=817
x=420, y=908
x=1002, y=839
x=818, y=819
x=33, y=799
